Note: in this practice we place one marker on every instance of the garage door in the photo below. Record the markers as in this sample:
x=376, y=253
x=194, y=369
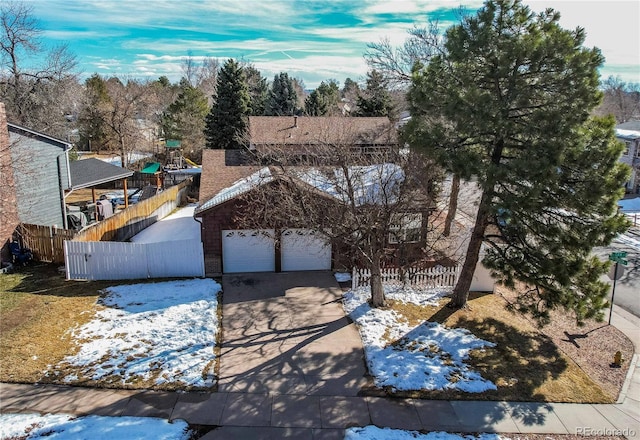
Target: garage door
x=248, y=250
x=304, y=249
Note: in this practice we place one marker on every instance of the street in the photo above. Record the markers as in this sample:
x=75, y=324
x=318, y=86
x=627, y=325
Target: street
x=627, y=294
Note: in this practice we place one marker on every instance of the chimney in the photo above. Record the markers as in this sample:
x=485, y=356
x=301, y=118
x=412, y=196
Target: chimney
x=295, y=122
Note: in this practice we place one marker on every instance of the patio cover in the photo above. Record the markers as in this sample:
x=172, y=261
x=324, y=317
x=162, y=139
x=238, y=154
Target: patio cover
x=90, y=172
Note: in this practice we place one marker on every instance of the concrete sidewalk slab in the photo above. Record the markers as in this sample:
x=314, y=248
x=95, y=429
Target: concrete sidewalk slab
x=394, y=413
x=534, y=417
x=297, y=411
x=343, y=412
x=243, y=409
x=484, y=416
x=200, y=408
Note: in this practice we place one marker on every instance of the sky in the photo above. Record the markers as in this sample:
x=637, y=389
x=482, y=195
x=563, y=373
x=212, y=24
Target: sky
x=309, y=39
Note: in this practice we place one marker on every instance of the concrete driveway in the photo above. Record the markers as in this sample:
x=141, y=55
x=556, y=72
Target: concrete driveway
x=286, y=333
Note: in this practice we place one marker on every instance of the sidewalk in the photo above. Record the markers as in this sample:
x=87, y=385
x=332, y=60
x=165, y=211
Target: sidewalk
x=237, y=415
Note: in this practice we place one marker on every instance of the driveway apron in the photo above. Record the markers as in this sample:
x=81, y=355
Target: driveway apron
x=286, y=333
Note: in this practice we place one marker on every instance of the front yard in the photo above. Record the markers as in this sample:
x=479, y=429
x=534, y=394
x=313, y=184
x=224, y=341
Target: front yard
x=164, y=335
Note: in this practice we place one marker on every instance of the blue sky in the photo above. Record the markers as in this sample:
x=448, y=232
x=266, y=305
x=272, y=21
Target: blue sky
x=312, y=40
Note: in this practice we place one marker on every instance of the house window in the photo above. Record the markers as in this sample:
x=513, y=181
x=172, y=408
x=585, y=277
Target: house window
x=406, y=228
x=627, y=146
x=637, y=149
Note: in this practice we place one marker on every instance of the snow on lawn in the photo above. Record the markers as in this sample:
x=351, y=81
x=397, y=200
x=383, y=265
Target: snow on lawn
x=375, y=433
x=165, y=332
x=62, y=426
x=178, y=226
x=429, y=356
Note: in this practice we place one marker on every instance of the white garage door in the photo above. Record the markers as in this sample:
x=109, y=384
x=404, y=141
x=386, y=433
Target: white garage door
x=304, y=249
x=248, y=250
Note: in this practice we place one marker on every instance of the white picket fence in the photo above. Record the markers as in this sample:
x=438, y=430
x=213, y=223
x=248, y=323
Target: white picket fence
x=111, y=260
x=433, y=277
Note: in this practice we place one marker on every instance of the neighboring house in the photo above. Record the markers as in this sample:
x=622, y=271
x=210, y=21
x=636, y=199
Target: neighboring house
x=41, y=175
x=629, y=133
x=308, y=136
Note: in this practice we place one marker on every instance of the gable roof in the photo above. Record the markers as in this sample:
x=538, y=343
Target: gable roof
x=370, y=184
x=17, y=129
x=239, y=187
x=90, y=172
x=324, y=130
x=217, y=174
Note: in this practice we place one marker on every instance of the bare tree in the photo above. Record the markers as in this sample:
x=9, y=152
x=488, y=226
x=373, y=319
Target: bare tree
x=620, y=99
x=35, y=93
x=124, y=113
x=373, y=205
x=202, y=74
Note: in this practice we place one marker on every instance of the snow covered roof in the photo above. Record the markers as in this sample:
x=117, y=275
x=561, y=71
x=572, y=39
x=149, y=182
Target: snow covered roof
x=239, y=187
x=372, y=184
x=627, y=134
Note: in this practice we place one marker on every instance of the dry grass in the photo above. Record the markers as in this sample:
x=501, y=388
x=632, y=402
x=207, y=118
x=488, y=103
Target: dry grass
x=37, y=310
x=527, y=363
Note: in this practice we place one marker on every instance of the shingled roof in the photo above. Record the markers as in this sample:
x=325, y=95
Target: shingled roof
x=90, y=172
x=220, y=169
x=331, y=130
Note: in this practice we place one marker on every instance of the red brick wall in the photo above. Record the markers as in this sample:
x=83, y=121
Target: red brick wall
x=8, y=209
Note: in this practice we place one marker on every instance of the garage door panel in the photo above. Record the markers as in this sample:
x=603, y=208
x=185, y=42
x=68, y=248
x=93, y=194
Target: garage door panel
x=248, y=250
x=304, y=249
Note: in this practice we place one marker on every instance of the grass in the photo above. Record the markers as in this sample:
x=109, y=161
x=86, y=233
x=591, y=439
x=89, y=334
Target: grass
x=38, y=307
x=525, y=364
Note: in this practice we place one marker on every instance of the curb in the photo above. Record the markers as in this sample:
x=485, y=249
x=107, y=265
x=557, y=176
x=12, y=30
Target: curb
x=627, y=382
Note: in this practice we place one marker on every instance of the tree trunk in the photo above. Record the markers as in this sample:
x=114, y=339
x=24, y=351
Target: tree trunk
x=461, y=291
x=123, y=156
x=377, y=291
x=453, y=204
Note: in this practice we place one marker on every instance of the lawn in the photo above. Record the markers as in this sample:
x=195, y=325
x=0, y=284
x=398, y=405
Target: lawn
x=152, y=335
x=418, y=347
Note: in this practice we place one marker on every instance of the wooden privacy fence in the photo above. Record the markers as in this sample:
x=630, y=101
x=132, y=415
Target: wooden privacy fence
x=46, y=242
x=432, y=277
x=127, y=223
x=109, y=260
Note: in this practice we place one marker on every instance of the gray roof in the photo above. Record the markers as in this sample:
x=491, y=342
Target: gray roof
x=86, y=173
x=38, y=135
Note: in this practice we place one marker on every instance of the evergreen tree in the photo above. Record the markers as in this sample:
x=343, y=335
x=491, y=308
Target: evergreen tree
x=324, y=100
x=375, y=100
x=226, y=123
x=258, y=90
x=508, y=103
x=91, y=120
x=282, y=96
x=185, y=117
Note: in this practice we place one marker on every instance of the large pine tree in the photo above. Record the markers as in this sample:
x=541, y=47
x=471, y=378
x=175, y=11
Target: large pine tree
x=375, y=100
x=508, y=104
x=283, y=98
x=226, y=123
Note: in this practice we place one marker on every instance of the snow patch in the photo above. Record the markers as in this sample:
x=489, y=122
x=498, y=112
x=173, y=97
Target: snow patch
x=63, y=426
x=375, y=433
x=428, y=356
x=167, y=329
